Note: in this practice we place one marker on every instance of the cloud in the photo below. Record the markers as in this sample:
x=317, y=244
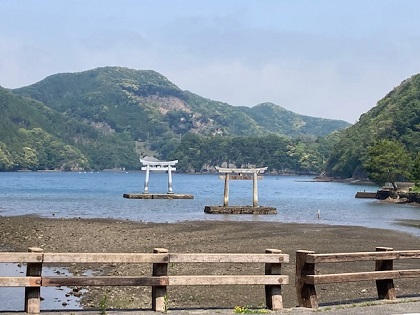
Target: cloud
x=326, y=58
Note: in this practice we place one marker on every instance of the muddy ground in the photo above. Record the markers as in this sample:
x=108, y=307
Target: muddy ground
x=105, y=235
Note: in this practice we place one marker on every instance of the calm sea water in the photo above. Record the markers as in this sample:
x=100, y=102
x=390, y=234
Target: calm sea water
x=93, y=195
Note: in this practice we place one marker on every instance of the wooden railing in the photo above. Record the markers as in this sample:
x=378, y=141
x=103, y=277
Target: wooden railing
x=159, y=280
x=383, y=274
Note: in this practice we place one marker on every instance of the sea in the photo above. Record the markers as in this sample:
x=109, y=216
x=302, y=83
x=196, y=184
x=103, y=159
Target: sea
x=298, y=199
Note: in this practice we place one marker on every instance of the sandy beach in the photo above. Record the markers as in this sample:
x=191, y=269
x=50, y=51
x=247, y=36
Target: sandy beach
x=106, y=235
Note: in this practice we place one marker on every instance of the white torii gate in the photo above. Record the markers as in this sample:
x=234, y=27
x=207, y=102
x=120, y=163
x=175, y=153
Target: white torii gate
x=166, y=166
x=253, y=171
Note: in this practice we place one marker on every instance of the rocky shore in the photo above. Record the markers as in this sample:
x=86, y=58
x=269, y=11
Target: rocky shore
x=100, y=235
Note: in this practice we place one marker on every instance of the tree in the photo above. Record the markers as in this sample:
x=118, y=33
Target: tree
x=416, y=169
x=6, y=159
x=388, y=161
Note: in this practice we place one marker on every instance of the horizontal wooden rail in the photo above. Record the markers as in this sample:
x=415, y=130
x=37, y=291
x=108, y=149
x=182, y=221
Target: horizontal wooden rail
x=384, y=272
x=160, y=260
x=362, y=276
x=228, y=280
x=228, y=258
x=163, y=280
x=361, y=256
x=20, y=257
x=20, y=281
x=105, y=258
x=104, y=281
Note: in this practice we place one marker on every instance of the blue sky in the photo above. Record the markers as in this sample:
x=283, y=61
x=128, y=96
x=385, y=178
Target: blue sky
x=324, y=58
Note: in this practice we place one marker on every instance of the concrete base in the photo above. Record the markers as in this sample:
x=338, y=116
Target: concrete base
x=365, y=194
x=158, y=196
x=239, y=210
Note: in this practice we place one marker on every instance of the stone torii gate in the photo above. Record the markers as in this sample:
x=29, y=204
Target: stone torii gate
x=163, y=166
x=241, y=171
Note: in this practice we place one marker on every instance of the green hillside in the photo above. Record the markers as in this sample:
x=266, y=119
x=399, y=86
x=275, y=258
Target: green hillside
x=147, y=105
x=34, y=136
x=108, y=117
x=276, y=119
x=396, y=117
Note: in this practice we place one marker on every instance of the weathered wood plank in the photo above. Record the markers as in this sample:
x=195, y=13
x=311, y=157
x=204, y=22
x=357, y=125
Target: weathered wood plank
x=20, y=281
x=306, y=292
x=273, y=296
x=104, y=281
x=228, y=258
x=11, y=257
x=229, y=280
x=409, y=273
x=159, y=292
x=105, y=258
x=362, y=276
x=32, y=302
x=385, y=287
x=362, y=256
x=166, y=280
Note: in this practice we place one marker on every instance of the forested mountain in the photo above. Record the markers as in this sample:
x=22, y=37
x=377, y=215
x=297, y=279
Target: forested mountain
x=34, y=136
x=146, y=104
x=396, y=118
x=108, y=117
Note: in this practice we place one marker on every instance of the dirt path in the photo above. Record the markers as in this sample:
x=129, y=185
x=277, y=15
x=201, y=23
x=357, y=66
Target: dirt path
x=98, y=235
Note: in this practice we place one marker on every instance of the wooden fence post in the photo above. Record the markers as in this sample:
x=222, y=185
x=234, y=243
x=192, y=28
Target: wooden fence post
x=385, y=287
x=306, y=293
x=159, y=293
x=33, y=294
x=273, y=297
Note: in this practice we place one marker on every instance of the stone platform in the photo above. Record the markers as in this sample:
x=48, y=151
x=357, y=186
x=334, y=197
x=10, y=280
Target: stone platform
x=239, y=210
x=158, y=196
x=365, y=194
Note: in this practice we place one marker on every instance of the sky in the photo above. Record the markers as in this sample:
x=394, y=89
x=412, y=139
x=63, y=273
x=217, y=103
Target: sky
x=324, y=58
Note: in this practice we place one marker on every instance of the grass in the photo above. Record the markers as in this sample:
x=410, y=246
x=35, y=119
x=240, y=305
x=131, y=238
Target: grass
x=103, y=305
x=415, y=188
x=247, y=310
x=165, y=303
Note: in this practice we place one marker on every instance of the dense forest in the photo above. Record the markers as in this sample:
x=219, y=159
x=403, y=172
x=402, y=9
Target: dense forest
x=107, y=118
x=395, y=118
x=281, y=155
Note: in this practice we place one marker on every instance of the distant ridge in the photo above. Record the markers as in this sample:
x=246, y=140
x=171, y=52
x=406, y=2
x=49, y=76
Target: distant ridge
x=108, y=117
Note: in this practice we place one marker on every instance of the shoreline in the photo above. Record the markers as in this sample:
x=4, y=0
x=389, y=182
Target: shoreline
x=111, y=235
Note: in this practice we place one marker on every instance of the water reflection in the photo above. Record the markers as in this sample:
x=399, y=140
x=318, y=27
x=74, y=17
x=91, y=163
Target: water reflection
x=12, y=299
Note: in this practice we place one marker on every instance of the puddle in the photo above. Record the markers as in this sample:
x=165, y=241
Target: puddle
x=53, y=298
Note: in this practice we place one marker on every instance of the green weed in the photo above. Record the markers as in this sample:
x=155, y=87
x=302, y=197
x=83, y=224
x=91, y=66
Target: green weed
x=103, y=305
x=247, y=310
